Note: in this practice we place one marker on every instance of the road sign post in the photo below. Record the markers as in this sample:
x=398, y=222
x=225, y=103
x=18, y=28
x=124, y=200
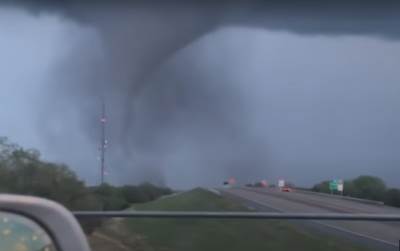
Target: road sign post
x=336, y=185
x=340, y=186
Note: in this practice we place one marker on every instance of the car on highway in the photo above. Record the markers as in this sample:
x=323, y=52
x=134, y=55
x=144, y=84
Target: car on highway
x=286, y=189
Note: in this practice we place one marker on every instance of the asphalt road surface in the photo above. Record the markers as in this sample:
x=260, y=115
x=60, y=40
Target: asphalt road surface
x=376, y=235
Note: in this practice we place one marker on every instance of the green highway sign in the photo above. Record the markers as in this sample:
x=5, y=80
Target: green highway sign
x=333, y=185
x=336, y=185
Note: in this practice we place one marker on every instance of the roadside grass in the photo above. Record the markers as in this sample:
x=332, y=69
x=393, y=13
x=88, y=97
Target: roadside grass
x=218, y=235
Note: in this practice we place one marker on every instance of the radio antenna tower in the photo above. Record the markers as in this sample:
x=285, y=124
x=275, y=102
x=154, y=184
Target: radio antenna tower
x=103, y=145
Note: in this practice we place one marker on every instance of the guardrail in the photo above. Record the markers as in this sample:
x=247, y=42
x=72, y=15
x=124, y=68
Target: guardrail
x=366, y=201
x=235, y=215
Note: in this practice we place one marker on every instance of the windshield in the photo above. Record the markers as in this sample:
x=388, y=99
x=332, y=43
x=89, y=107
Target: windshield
x=187, y=106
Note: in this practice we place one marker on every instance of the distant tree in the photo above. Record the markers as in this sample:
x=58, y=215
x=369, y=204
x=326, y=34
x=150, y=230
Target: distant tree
x=133, y=194
x=369, y=187
x=23, y=172
x=87, y=201
x=258, y=184
x=348, y=188
x=153, y=192
x=392, y=197
x=111, y=197
x=322, y=187
x=366, y=187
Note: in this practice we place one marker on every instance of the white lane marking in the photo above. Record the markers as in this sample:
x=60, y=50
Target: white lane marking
x=265, y=205
x=327, y=225
x=214, y=191
x=358, y=234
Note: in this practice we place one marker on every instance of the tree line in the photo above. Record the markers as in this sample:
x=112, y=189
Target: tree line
x=365, y=187
x=23, y=172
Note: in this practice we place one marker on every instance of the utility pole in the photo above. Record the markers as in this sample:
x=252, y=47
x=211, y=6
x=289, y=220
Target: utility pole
x=103, y=144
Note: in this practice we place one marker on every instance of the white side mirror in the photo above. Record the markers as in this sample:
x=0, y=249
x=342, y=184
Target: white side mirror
x=30, y=223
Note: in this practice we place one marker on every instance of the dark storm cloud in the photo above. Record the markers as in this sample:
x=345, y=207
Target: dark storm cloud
x=158, y=111
x=373, y=18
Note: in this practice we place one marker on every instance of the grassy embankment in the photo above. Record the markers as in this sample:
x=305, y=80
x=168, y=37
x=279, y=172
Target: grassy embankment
x=210, y=234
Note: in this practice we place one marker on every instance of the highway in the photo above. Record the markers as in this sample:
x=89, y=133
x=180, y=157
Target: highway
x=377, y=235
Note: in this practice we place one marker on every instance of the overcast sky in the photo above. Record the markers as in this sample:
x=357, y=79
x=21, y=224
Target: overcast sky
x=318, y=106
